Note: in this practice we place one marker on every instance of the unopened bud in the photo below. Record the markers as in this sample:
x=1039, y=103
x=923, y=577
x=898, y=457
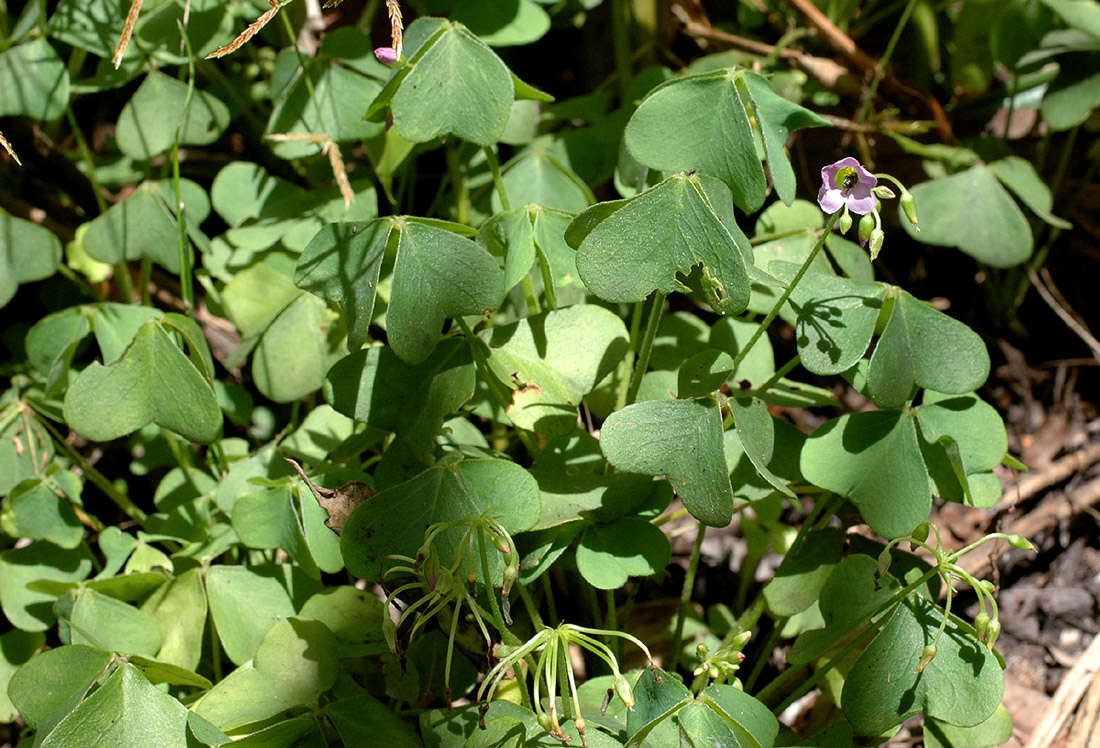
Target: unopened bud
x=992, y=633
x=845, y=221
x=580, y=724
x=866, y=226
x=909, y=207
x=385, y=55
x=987, y=587
x=622, y=688
x=884, y=192
x=544, y=721
x=509, y=578
x=926, y=657
x=877, y=237
x=741, y=640
x=1019, y=541
x=501, y=543
x=981, y=625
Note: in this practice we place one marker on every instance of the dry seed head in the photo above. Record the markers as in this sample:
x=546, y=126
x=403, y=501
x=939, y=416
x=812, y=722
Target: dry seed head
x=7, y=147
x=393, y=10
x=338, y=170
x=127, y=32
x=250, y=31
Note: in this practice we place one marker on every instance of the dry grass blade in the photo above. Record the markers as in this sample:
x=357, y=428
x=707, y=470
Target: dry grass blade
x=7, y=147
x=127, y=32
x=253, y=28
x=338, y=170
x=331, y=4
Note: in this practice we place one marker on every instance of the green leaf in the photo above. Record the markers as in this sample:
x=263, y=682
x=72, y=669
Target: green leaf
x=364, y=720
x=285, y=325
x=717, y=138
x=269, y=520
x=33, y=81
x=293, y=666
x=994, y=731
x=630, y=248
x=457, y=67
x=657, y=695
x=884, y=686
x=971, y=422
x=503, y=24
x=148, y=123
x=609, y=554
x=50, y=684
x=924, y=347
x=745, y=719
x=341, y=264
x=353, y=615
x=244, y=606
x=28, y=609
x=835, y=318
x=552, y=360
x=107, y=623
x=35, y=510
x=28, y=253
x=756, y=429
x=328, y=100
x=537, y=177
x=153, y=382
x=16, y=648
x=1080, y=14
x=852, y=593
x=681, y=439
x=437, y=274
x=805, y=569
x=971, y=210
x=126, y=710
x=874, y=459
x=145, y=225
x=376, y=387
x=179, y=606
x=1020, y=176
x=450, y=490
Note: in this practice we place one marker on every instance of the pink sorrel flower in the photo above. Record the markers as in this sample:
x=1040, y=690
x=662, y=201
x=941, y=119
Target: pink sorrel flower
x=385, y=55
x=847, y=183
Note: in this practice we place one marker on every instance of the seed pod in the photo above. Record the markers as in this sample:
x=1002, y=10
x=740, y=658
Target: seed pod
x=909, y=207
x=877, y=237
x=622, y=688
x=992, y=633
x=845, y=221
x=1019, y=541
x=866, y=226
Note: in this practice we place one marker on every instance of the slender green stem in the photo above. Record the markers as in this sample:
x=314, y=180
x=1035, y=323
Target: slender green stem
x=628, y=357
x=786, y=292
x=781, y=372
x=645, y=348
x=763, y=654
x=685, y=594
x=880, y=68
x=620, y=34
x=548, y=595
x=463, y=209
x=1013, y=84
x=498, y=183
x=548, y=287
x=612, y=622
x=186, y=259
x=529, y=295
x=529, y=604
x=121, y=500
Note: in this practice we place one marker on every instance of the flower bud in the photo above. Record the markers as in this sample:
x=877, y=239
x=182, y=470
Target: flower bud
x=544, y=721
x=992, y=633
x=385, y=55
x=920, y=534
x=981, y=625
x=845, y=221
x=622, y=688
x=501, y=543
x=909, y=207
x=740, y=640
x=987, y=587
x=884, y=192
x=509, y=578
x=877, y=237
x=1019, y=541
x=926, y=657
x=866, y=226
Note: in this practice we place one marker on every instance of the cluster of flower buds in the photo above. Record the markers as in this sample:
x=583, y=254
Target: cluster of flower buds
x=846, y=185
x=721, y=665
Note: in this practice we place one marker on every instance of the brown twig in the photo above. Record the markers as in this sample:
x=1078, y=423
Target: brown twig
x=1050, y=294
x=847, y=47
x=1066, y=698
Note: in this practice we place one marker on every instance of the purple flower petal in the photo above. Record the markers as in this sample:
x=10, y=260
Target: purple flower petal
x=830, y=200
x=385, y=55
x=861, y=205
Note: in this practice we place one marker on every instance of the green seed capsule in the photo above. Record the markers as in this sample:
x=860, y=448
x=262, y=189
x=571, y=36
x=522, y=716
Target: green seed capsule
x=993, y=632
x=844, y=222
x=622, y=688
x=909, y=206
x=981, y=625
x=1019, y=541
x=926, y=657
